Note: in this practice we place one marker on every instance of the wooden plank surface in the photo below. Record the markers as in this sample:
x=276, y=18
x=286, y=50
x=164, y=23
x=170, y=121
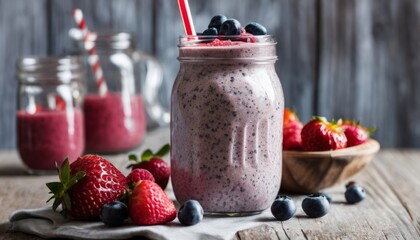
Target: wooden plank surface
x=369, y=65
x=390, y=210
x=19, y=36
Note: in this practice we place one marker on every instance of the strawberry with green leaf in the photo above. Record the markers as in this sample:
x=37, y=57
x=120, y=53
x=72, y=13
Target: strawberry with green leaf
x=85, y=186
x=154, y=163
x=356, y=133
x=321, y=135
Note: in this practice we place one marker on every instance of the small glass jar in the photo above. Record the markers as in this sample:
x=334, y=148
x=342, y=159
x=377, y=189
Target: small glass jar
x=50, y=125
x=226, y=125
x=116, y=121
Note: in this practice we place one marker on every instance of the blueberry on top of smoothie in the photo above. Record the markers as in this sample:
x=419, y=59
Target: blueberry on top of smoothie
x=217, y=21
x=255, y=29
x=231, y=27
x=210, y=32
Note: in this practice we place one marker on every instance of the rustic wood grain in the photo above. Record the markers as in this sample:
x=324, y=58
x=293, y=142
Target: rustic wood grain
x=387, y=212
x=390, y=210
x=22, y=32
x=309, y=172
x=369, y=65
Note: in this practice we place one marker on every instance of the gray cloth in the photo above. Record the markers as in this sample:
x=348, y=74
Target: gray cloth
x=45, y=223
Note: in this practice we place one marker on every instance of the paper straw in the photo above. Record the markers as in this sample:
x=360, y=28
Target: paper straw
x=93, y=58
x=184, y=9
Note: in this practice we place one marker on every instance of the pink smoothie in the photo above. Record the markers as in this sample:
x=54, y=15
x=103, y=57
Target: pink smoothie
x=113, y=125
x=47, y=137
x=226, y=127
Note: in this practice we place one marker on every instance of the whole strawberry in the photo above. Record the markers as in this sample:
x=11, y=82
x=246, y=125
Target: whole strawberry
x=150, y=205
x=292, y=128
x=356, y=134
x=153, y=163
x=321, y=135
x=85, y=186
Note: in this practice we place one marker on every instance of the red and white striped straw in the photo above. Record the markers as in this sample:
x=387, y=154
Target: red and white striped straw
x=93, y=58
x=184, y=9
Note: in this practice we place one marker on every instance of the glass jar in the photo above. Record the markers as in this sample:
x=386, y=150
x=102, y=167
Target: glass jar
x=49, y=118
x=116, y=122
x=226, y=125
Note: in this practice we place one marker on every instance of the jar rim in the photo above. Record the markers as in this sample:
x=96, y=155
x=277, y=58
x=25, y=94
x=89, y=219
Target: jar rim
x=49, y=69
x=32, y=62
x=104, y=39
x=235, y=40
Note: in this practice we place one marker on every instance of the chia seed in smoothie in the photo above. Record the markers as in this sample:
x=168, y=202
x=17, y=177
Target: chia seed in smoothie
x=113, y=123
x=226, y=127
x=49, y=136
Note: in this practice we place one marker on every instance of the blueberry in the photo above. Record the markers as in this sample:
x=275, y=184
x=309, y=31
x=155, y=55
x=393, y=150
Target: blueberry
x=255, y=29
x=283, y=208
x=328, y=196
x=315, y=205
x=355, y=194
x=190, y=213
x=114, y=213
x=231, y=27
x=217, y=21
x=210, y=32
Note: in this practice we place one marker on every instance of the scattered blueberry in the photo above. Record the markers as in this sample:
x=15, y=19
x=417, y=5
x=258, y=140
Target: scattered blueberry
x=255, y=29
x=315, y=205
x=217, y=21
x=283, y=208
x=210, y=32
x=231, y=27
x=355, y=194
x=328, y=196
x=190, y=213
x=114, y=213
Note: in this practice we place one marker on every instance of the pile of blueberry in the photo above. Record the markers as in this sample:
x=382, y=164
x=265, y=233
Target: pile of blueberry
x=315, y=205
x=221, y=25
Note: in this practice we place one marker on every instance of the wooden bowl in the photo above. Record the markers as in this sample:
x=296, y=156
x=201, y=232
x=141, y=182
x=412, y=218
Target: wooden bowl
x=310, y=172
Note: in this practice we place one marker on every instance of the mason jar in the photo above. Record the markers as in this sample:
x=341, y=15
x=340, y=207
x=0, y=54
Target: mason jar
x=226, y=125
x=116, y=121
x=50, y=126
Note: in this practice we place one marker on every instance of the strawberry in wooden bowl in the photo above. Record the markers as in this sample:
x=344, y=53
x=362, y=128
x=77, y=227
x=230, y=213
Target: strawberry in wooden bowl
x=330, y=153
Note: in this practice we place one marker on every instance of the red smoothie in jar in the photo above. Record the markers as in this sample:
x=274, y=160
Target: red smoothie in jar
x=114, y=123
x=49, y=136
x=226, y=126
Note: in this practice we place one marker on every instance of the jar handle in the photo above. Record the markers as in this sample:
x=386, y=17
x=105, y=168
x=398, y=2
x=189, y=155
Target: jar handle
x=150, y=88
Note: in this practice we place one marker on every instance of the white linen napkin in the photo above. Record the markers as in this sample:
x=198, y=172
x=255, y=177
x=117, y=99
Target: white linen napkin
x=45, y=223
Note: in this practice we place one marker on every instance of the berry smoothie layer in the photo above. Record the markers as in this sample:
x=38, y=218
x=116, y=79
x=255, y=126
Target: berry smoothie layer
x=113, y=124
x=226, y=126
x=47, y=137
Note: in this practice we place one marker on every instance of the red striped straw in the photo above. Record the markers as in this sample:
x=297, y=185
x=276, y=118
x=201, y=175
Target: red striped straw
x=93, y=58
x=184, y=9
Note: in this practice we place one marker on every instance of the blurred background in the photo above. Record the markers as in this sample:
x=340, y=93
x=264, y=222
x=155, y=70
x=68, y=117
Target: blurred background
x=356, y=59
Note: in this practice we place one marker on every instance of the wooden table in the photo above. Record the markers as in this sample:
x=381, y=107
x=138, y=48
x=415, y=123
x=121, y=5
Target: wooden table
x=391, y=209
